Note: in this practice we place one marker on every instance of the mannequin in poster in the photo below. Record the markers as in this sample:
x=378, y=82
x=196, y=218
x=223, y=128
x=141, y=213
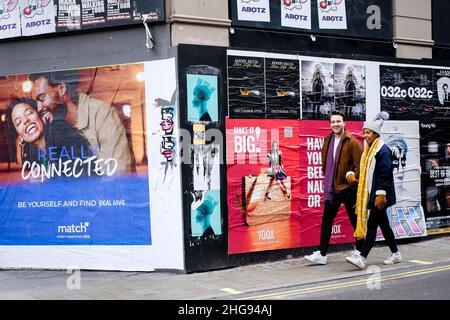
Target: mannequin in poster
x=202, y=93
x=204, y=205
x=276, y=171
x=350, y=90
x=317, y=89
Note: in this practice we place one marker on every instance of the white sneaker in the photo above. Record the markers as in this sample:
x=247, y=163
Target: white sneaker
x=316, y=258
x=393, y=258
x=357, y=260
x=355, y=253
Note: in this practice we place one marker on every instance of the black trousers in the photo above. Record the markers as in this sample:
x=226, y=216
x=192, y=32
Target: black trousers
x=331, y=207
x=378, y=218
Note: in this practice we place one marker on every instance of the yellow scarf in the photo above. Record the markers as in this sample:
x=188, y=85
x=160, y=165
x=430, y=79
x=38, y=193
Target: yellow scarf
x=362, y=197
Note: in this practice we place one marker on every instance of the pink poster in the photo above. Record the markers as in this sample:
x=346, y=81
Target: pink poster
x=312, y=133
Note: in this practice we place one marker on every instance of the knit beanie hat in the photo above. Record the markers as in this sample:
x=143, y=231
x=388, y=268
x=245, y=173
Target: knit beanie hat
x=376, y=124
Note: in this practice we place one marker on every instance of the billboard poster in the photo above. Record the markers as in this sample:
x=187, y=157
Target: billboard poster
x=312, y=134
x=38, y=17
x=317, y=89
x=407, y=217
x=205, y=214
x=118, y=10
x=35, y=17
x=332, y=14
x=296, y=14
x=263, y=184
x=441, y=106
x=9, y=19
x=202, y=96
x=68, y=15
x=346, y=18
x=350, y=90
x=406, y=93
x=246, y=95
x=206, y=167
x=93, y=12
x=282, y=89
x=253, y=10
x=435, y=161
x=76, y=168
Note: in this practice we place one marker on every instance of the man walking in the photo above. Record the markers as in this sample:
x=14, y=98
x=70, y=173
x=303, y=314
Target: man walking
x=341, y=155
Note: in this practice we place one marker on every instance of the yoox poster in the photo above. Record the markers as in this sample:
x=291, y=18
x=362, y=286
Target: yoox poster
x=263, y=185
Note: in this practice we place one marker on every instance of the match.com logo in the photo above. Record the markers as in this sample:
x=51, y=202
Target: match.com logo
x=74, y=231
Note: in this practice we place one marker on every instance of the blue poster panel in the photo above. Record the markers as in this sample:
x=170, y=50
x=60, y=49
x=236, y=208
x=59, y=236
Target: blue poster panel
x=74, y=169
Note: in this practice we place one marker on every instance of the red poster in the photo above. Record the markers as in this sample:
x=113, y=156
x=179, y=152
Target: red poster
x=263, y=184
x=312, y=133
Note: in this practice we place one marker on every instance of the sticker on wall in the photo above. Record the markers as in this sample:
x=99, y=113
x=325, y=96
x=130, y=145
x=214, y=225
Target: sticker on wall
x=199, y=133
x=296, y=14
x=246, y=96
x=350, y=90
x=168, y=143
x=253, y=10
x=9, y=19
x=332, y=14
x=205, y=214
x=38, y=17
x=282, y=89
x=317, y=89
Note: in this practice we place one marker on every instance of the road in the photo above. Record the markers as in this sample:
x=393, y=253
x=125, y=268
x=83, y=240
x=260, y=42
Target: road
x=425, y=283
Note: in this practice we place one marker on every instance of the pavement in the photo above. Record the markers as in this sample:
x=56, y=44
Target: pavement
x=234, y=283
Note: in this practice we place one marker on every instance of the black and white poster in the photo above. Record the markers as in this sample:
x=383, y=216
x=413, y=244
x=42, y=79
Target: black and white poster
x=441, y=79
x=118, y=10
x=282, y=89
x=246, y=96
x=350, y=90
x=68, y=15
x=435, y=161
x=317, y=89
x=93, y=12
x=406, y=93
